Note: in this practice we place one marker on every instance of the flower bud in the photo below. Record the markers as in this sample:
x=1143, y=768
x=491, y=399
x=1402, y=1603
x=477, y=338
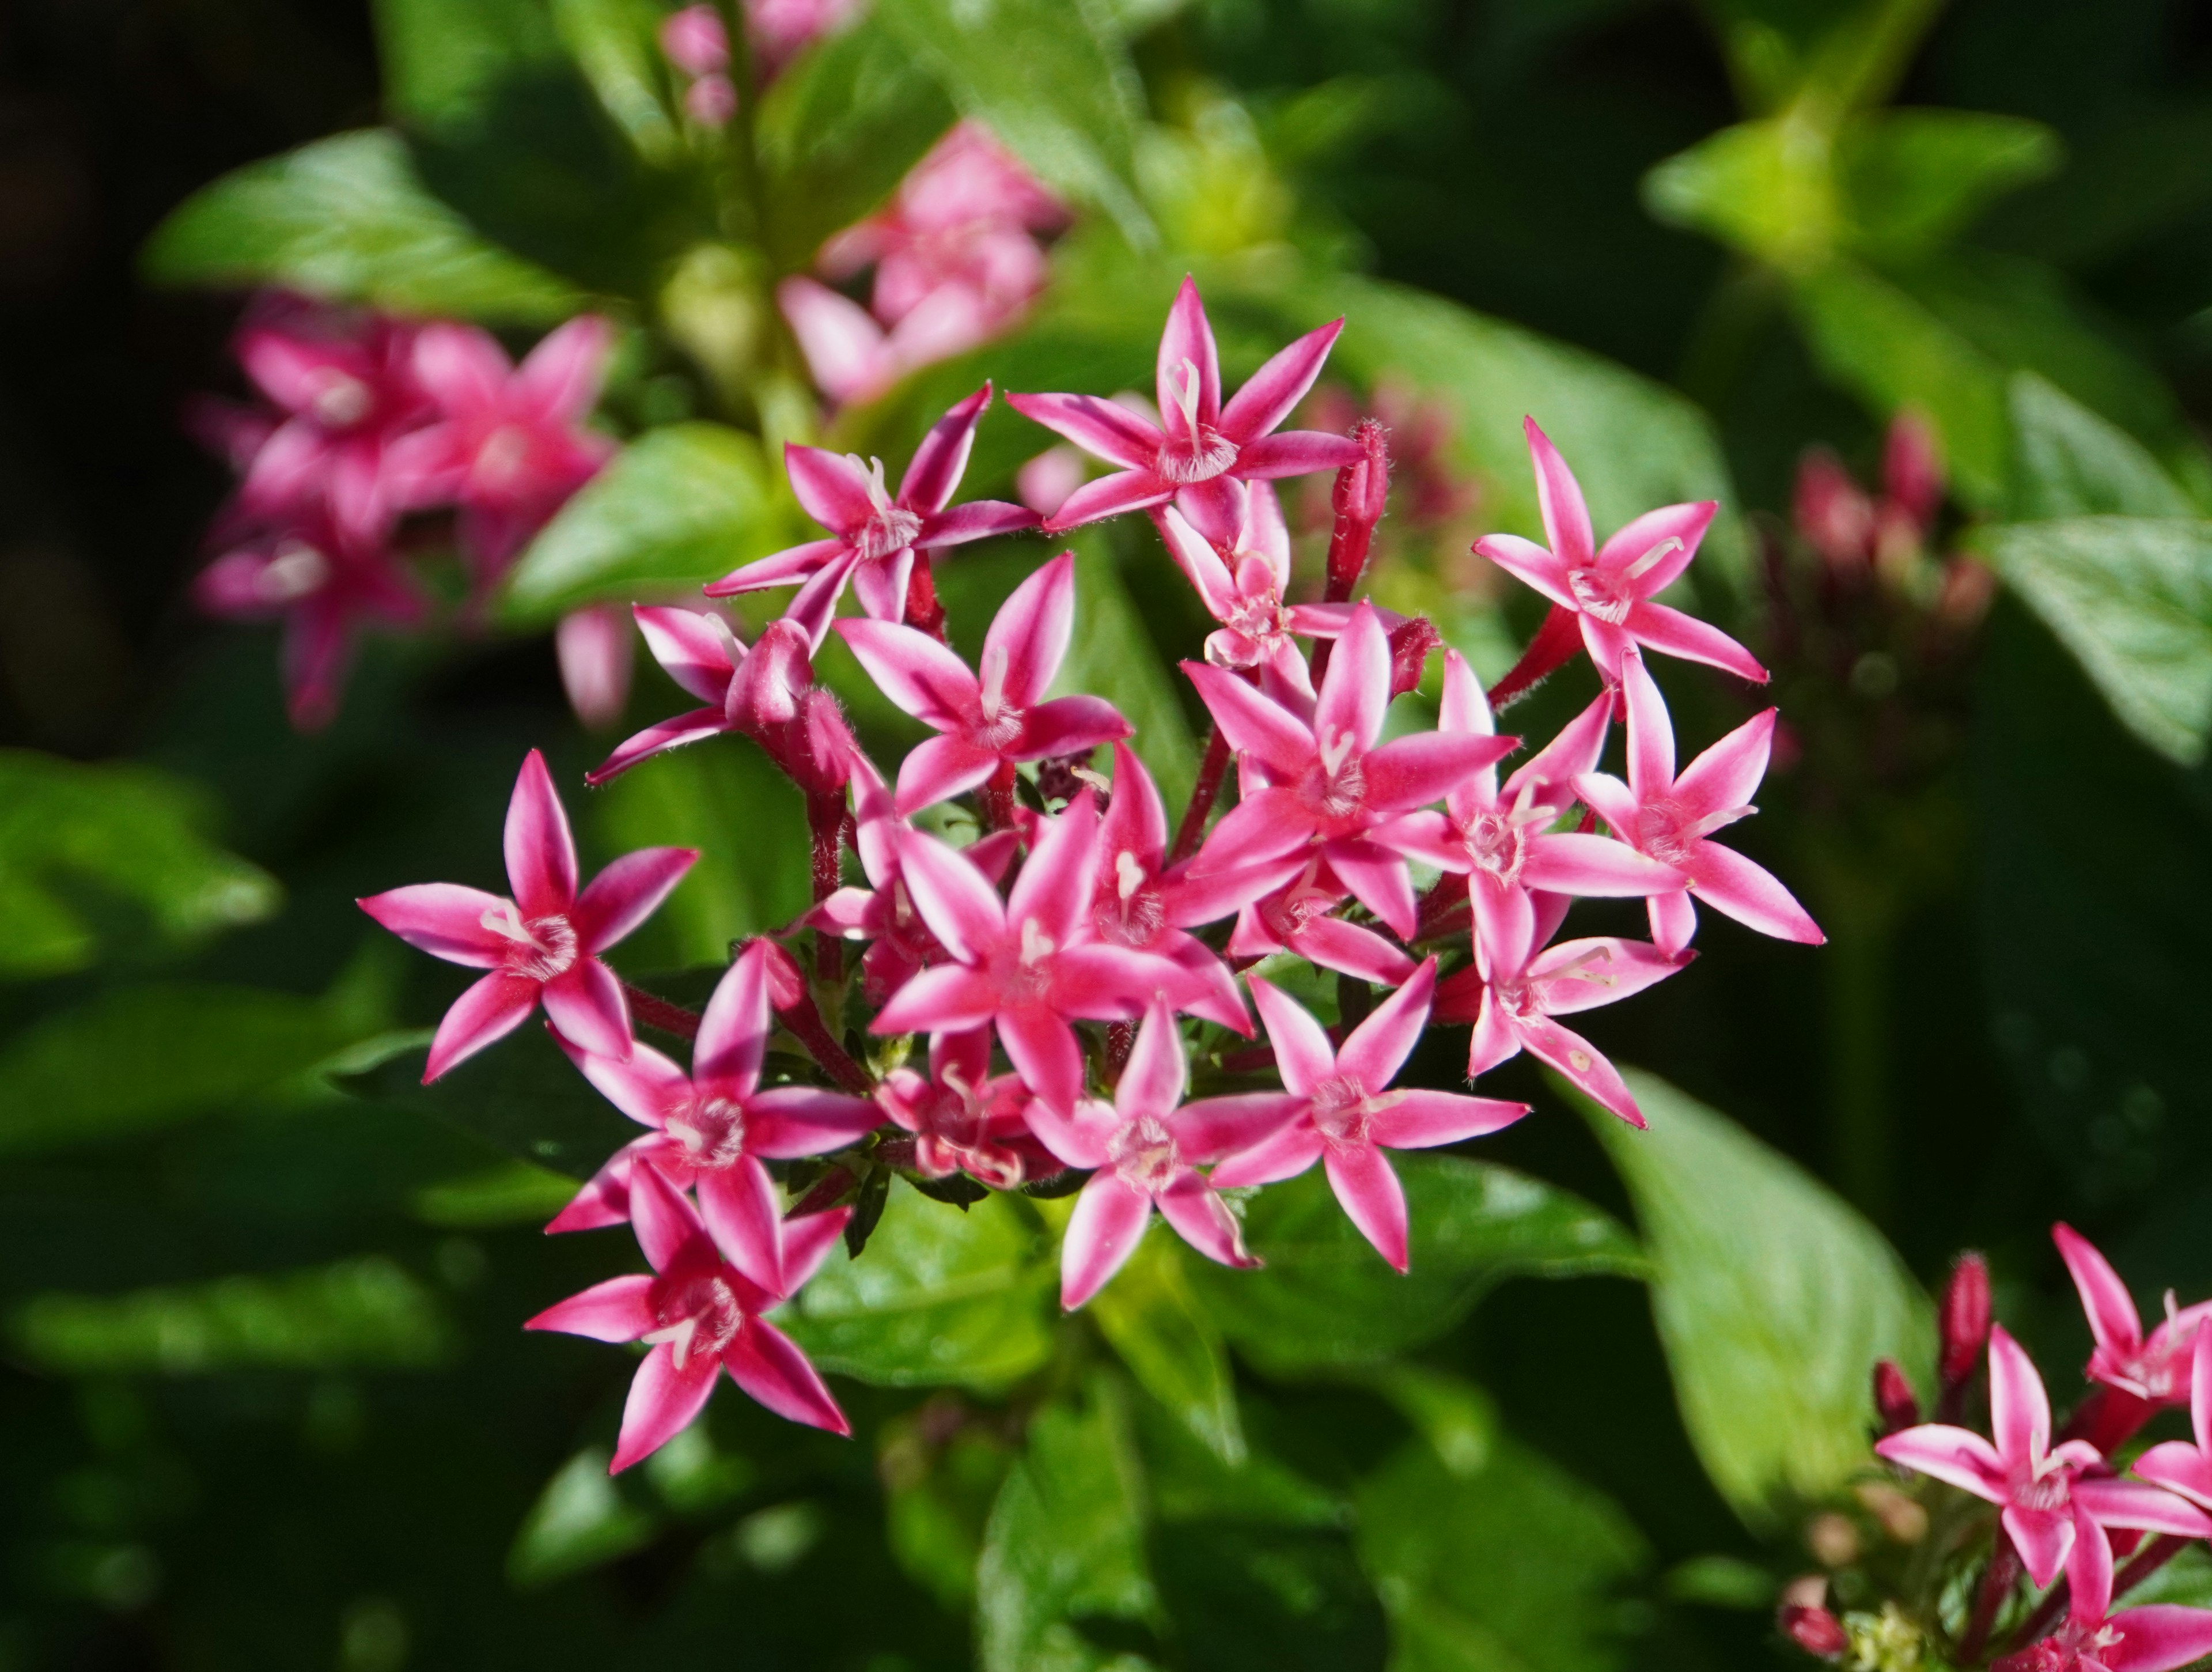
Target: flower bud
x=1833, y=513
x=1362, y=489
x=695, y=41
x=1913, y=470
x=595, y=649
x=1411, y=641
x=787, y=984
x=1966, y=1318
x=1893, y=1398
x=1814, y=1630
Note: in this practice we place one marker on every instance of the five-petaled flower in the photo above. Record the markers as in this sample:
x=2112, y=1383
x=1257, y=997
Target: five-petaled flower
x=2178, y=1465
x=542, y=944
x=2154, y=1368
x=699, y=1313
x=2155, y=1637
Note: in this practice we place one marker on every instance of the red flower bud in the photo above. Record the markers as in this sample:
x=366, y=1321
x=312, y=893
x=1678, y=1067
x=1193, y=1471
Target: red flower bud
x=1913, y=470
x=1894, y=1399
x=1410, y=643
x=1966, y=1318
x=1361, y=491
x=1815, y=1630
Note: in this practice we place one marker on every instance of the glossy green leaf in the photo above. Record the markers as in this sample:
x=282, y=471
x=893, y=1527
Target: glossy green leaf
x=110, y=854
x=2069, y=462
x=1766, y=188
x=939, y=1297
x=580, y=1522
x=1773, y=1299
x=677, y=507
x=348, y=218
x=1171, y=1343
x=1326, y=1299
x=938, y=1493
x=367, y=1312
x=1189, y=1481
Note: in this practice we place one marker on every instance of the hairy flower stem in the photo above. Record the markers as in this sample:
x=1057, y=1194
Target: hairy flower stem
x=1556, y=641
x=656, y=1011
x=1120, y=1040
x=1211, y=769
x=825, y=823
x=806, y=1024
x=923, y=608
x=2146, y=1562
x=999, y=799
x=1998, y=1579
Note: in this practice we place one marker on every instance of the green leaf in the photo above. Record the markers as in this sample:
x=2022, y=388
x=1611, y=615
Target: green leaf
x=512, y=1193
x=2131, y=597
x=1514, y=1565
x=615, y=43
x=1773, y=1299
x=366, y=1312
x=1113, y=656
x=142, y=1058
x=1190, y=1482
x=348, y=218
x=937, y=1493
x=1766, y=188
x=1911, y=179
x=580, y=1522
x=677, y=507
x=1066, y=1544
x=1058, y=91
x=2069, y=462
x=1325, y=1299
x=444, y=60
x=78, y=844
x=940, y=1296
x=1172, y=1345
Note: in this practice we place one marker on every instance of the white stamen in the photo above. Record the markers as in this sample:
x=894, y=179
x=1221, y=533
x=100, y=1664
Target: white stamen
x=1186, y=398
x=505, y=920
x=1334, y=746
x=678, y=1335
x=1714, y=821
x=994, y=680
x=1037, y=945
x=879, y=494
x=1128, y=874
x=1651, y=559
x=295, y=570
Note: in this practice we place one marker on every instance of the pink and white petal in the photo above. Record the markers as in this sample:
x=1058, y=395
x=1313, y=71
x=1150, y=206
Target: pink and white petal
x=2020, y=1410
x=1069, y=726
x=916, y=672
x=1674, y=634
x=1294, y=452
x=559, y=379
x=2088, y=1572
x=1580, y=975
x=2150, y=1509
x=807, y=1242
x=1583, y=1063
x=1157, y=1074
x=1189, y=897
x=781, y=568
x=880, y=586
x=486, y=1012
x=444, y=919
x=1725, y=776
x=1078, y=1136
x=1334, y=943
x=1611, y=801
x=1505, y=920
x=664, y=1221
x=791, y=1121
x=937, y=768
x=663, y=1400
x=1576, y=750
x=585, y=1005
x=1111, y=432
x=949, y=995
x=2044, y=1538
x=1209, y=989
x=629, y=890
x=1201, y=565
x=541, y=854
x=1201, y=1219
x=1257, y=725
x=1136, y=819
x=1377, y=879
x=744, y=1212
x=1594, y=868
x=1186, y=350
x=832, y=488
x=1650, y=731
x=1495, y=1039
x=1303, y=1055
x=1376, y=1049
x=696, y=727
x=1270, y=392
x=605, y=1199
x=1423, y=1120
x=1109, y=1217
x=1725, y=880
x=1685, y=524
x=1054, y=888
x=725, y=1059
x=1029, y=637
x=2158, y=1638
x=1285, y=1153
x=1043, y=1049
x=618, y=1310
x=2179, y=1467
x=1212, y=1127
x=770, y=1365
x=1355, y=692
x=1260, y=830
x=2111, y=1309
x=1559, y=500
x=1673, y=922
x=696, y=647
x=1427, y=766
x=1371, y=1197
x=1957, y=1456
x=463, y=368
x=978, y=520
x=1531, y=565
x=1424, y=835
x=942, y=458
x=1107, y=983
x=645, y=1086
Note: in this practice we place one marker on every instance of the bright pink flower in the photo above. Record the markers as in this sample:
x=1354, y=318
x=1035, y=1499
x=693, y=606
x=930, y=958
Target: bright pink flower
x=700, y=1313
x=712, y=1127
x=2156, y=1638
x=1515, y=993
x=1241, y=581
x=595, y=653
x=876, y=534
x=1299, y=917
x=1671, y=819
x=2038, y=1485
x=544, y=944
x=1028, y=963
x=326, y=584
x=1199, y=445
x=2156, y=1368
x=853, y=359
x=1502, y=839
x=1964, y=1319
x=1609, y=589
x=1340, y=1114
x=510, y=446
x=711, y=101
x=1002, y=717
x=1320, y=787
x=694, y=40
x=1146, y=1148
x=965, y=1119
x=1852, y=529
x=2177, y=1465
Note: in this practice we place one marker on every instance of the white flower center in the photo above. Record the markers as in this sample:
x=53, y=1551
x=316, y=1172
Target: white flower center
x=339, y=401
x=538, y=950
x=712, y=1131
x=1144, y=1152
x=296, y=571
x=696, y=1316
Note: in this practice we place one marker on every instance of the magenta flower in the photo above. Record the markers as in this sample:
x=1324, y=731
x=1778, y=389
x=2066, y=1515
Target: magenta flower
x=1001, y=718
x=2177, y=1465
x=1299, y=917
x=875, y=533
x=542, y=945
x=1199, y=445
x=1147, y=1147
x=1341, y=1112
x=1320, y=787
x=1028, y=963
x=595, y=653
x=853, y=359
x=1672, y=819
x=699, y=1313
x=779, y=30
x=2156, y=1638
x=1241, y=583
x=964, y=1118
x=712, y=1127
x=1609, y=589
x=694, y=40
x=2155, y=1369
x=2038, y=1486
x=510, y=446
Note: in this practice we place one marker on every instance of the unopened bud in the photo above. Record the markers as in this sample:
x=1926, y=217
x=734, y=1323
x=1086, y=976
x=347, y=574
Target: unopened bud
x=594, y=646
x=1362, y=489
x=695, y=41
x=1913, y=470
x=1815, y=1630
x=1966, y=1318
x=1893, y=1400
x=1833, y=513
x=1411, y=641
x=1968, y=586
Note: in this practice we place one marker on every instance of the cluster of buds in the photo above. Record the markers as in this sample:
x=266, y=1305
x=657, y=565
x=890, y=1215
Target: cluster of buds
x=2061, y=1503
x=370, y=420
x=1079, y=963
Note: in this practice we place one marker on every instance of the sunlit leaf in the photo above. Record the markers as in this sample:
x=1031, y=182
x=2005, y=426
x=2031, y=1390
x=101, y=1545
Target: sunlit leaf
x=443, y=61
x=2069, y=462
x=1171, y=1343
x=513, y=1192
x=615, y=44
x=580, y=1522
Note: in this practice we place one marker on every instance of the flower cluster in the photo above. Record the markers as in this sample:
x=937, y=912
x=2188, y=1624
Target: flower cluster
x=1079, y=964
x=368, y=420
x=2066, y=1500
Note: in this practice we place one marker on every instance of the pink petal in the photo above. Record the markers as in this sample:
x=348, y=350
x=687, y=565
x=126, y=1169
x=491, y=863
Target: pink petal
x=1581, y=974
x=1102, y=1233
x=693, y=727
x=1187, y=340
x=1109, y=496
x=1725, y=776
x=1096, y=426
x=585, y=1004
x=961, y=908
x=2199, y=1388
x=1303, y=1054
x=2043, y=1537
x=915, y=671
x=733, y=1031
x=1202, y=1219
x=1336, y=944
x=807, y=1242
x=605, y=1199
x=2132, y=1504
x=695, y=647
x=1531, y=565
x=559, y=379
x=1595, y=866
x=1029, y=637
x=1055, y=887
x=768, y=1365
x=978, y=520
x=2158, y=1638
x=1356, y=692
x=1114, y=983
x=1673, y=921
x=1957, y=1456
x=2179, y=1467
x=1214, y=1127
x=833, y=489
x=950, y=996
x=1412, y=771
x=1495, y=1039
x=645, y=1086
x=663, y=1400
x=939, y=769
x=744, y=1212
x=1268, y=397
x=1155, y=1076
x=1262, y=827
x=2111, y=1312
x=1078, y=1136
x=881, y=586
x=1069, y=726
x=489, y=1011
x=1583, y=1063
x=2019, y=1412
x=540, y=856
x=1422, y=1120
x=1210, y=993
x=1573, y=751
x=618, y=1310
x=1675, y=634
x=1505, y=920
x=790, y=1121
x=1377, y=879
x=1650, y=731
x=1136, y=819
x=1684, y=523
x=1727, y=881
x=2088, y=1573
x=942, y=458
x=1379, y=1046
x=626, y=893
x=444, y=919
x=1285, y=1153
x=663, y=1219
x=1255, y=725
x=1424, y=835
x=1371, y=1197
x=781, y=568
x=1560, y=498
x=464, y=367
x=1294, y=452
x=1201, y=565
x=1043, y=1049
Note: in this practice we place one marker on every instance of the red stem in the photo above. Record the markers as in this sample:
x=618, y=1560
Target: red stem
x=825, y=823
x=1211, y=770
x=1556, y=641
x=1997, y=1580
x=999, y=799
x=806, y=1022
x=656, y=1011
x=2108, y=1418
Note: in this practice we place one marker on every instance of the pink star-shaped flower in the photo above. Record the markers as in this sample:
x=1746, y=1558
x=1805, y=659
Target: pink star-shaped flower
x=712, y=1127
x=1029, y=964
x=1300, y=917
x=1147, y=1147
x=1002, y=717
x=2178, y=1465
x=876, y=532
x=964, y=1118
x=542, y=944
x=1322, y=784
x=2155, y=1637
x=2038, y=1485
x=699, y=1314
x=1199, y=445
x=1340, y=1111
x=1609, y=589
x=2155, y=1369
x=1672, y=819
x=1242, y=580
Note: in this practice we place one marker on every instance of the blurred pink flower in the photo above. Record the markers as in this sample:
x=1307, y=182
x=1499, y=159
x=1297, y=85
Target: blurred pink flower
x=596, y=652
x=2155, y=1637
